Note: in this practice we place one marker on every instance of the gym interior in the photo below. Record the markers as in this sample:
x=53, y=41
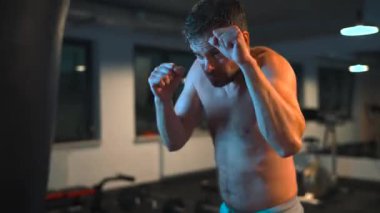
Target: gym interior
x=80, y=129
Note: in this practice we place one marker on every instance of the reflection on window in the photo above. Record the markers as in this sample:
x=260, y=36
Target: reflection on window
x=335, y=92
x=298, y=71
x=145, y=60
x=77, y=112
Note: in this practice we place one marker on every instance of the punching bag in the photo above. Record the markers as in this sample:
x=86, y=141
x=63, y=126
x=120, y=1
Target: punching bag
x=30, y=43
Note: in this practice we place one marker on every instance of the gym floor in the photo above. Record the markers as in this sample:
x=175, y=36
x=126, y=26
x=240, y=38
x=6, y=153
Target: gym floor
x=350, y=196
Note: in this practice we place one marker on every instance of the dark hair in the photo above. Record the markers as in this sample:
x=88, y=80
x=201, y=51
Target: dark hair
x=207, y=15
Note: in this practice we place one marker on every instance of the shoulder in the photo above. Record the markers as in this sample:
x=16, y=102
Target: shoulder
x=274, y=65
x=269, y=58
x=265, y=55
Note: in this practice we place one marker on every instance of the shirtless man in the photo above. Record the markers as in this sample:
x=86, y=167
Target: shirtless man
x=248, y=96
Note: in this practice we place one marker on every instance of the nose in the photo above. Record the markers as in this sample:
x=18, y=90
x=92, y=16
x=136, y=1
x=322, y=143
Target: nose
x=209, y=65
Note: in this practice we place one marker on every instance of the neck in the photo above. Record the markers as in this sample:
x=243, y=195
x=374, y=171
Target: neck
x=237, y=85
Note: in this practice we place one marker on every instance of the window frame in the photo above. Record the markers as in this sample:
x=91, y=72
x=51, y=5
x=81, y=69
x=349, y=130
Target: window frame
x=92, y=103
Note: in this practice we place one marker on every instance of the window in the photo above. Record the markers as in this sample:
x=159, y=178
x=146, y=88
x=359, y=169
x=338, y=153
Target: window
x=335, y=92
x=145, y=60
x=77, y=114
x=298, y=71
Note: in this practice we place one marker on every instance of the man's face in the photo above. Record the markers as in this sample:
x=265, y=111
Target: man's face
x=218, y=69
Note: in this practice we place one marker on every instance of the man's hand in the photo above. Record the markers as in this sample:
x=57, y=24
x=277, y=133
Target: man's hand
x=165, y=79
x=231, y=43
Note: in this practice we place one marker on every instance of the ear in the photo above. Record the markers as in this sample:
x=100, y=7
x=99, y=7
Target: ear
x=246, y=36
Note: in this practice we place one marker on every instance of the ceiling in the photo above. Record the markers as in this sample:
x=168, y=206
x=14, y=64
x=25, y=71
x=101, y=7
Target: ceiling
x=270, y=21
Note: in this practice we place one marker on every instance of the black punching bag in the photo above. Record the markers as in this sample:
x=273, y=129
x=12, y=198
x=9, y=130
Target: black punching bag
x=31, y=34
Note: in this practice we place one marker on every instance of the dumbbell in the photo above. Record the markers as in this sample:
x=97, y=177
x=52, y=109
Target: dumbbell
x=205, y=206
x=209, y=186
x=174, y=205
x=129, y=200
x=137, y=198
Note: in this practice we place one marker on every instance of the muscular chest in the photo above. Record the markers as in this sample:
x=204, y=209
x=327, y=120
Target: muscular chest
x=228, y=112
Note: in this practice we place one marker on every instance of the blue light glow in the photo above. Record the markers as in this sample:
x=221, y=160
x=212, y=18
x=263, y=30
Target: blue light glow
x=358, y=68
x=359, y=30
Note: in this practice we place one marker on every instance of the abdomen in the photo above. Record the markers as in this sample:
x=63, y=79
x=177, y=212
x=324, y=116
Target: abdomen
x=251, y=175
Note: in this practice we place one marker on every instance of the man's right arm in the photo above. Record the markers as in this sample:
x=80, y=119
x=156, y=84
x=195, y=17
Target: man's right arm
x=176, y=124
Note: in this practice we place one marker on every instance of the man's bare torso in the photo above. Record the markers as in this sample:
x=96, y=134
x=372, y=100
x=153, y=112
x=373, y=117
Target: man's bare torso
x=252, y=176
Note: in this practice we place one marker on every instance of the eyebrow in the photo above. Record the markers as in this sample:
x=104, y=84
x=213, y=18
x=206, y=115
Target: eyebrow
x=211, y=50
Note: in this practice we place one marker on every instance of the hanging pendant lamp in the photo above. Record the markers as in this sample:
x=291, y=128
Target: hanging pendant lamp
x=360, y=29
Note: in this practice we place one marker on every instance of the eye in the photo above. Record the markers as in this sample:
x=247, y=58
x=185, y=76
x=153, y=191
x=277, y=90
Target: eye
x=216, y=53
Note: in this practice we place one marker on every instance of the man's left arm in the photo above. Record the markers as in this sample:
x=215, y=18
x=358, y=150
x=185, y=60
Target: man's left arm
x=272, y=87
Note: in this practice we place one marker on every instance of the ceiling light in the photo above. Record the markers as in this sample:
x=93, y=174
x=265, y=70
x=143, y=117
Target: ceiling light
x=360, y=29
x=80, y=68
x=358, y=68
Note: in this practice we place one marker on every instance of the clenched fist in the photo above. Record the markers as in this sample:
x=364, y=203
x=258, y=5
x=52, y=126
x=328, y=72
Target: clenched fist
x=232, y=43
x=165, y=79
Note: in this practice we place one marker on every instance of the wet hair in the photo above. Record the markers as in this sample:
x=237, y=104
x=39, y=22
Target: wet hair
x=207, y=15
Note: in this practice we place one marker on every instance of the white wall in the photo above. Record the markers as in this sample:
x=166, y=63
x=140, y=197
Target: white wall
x=117, y=151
